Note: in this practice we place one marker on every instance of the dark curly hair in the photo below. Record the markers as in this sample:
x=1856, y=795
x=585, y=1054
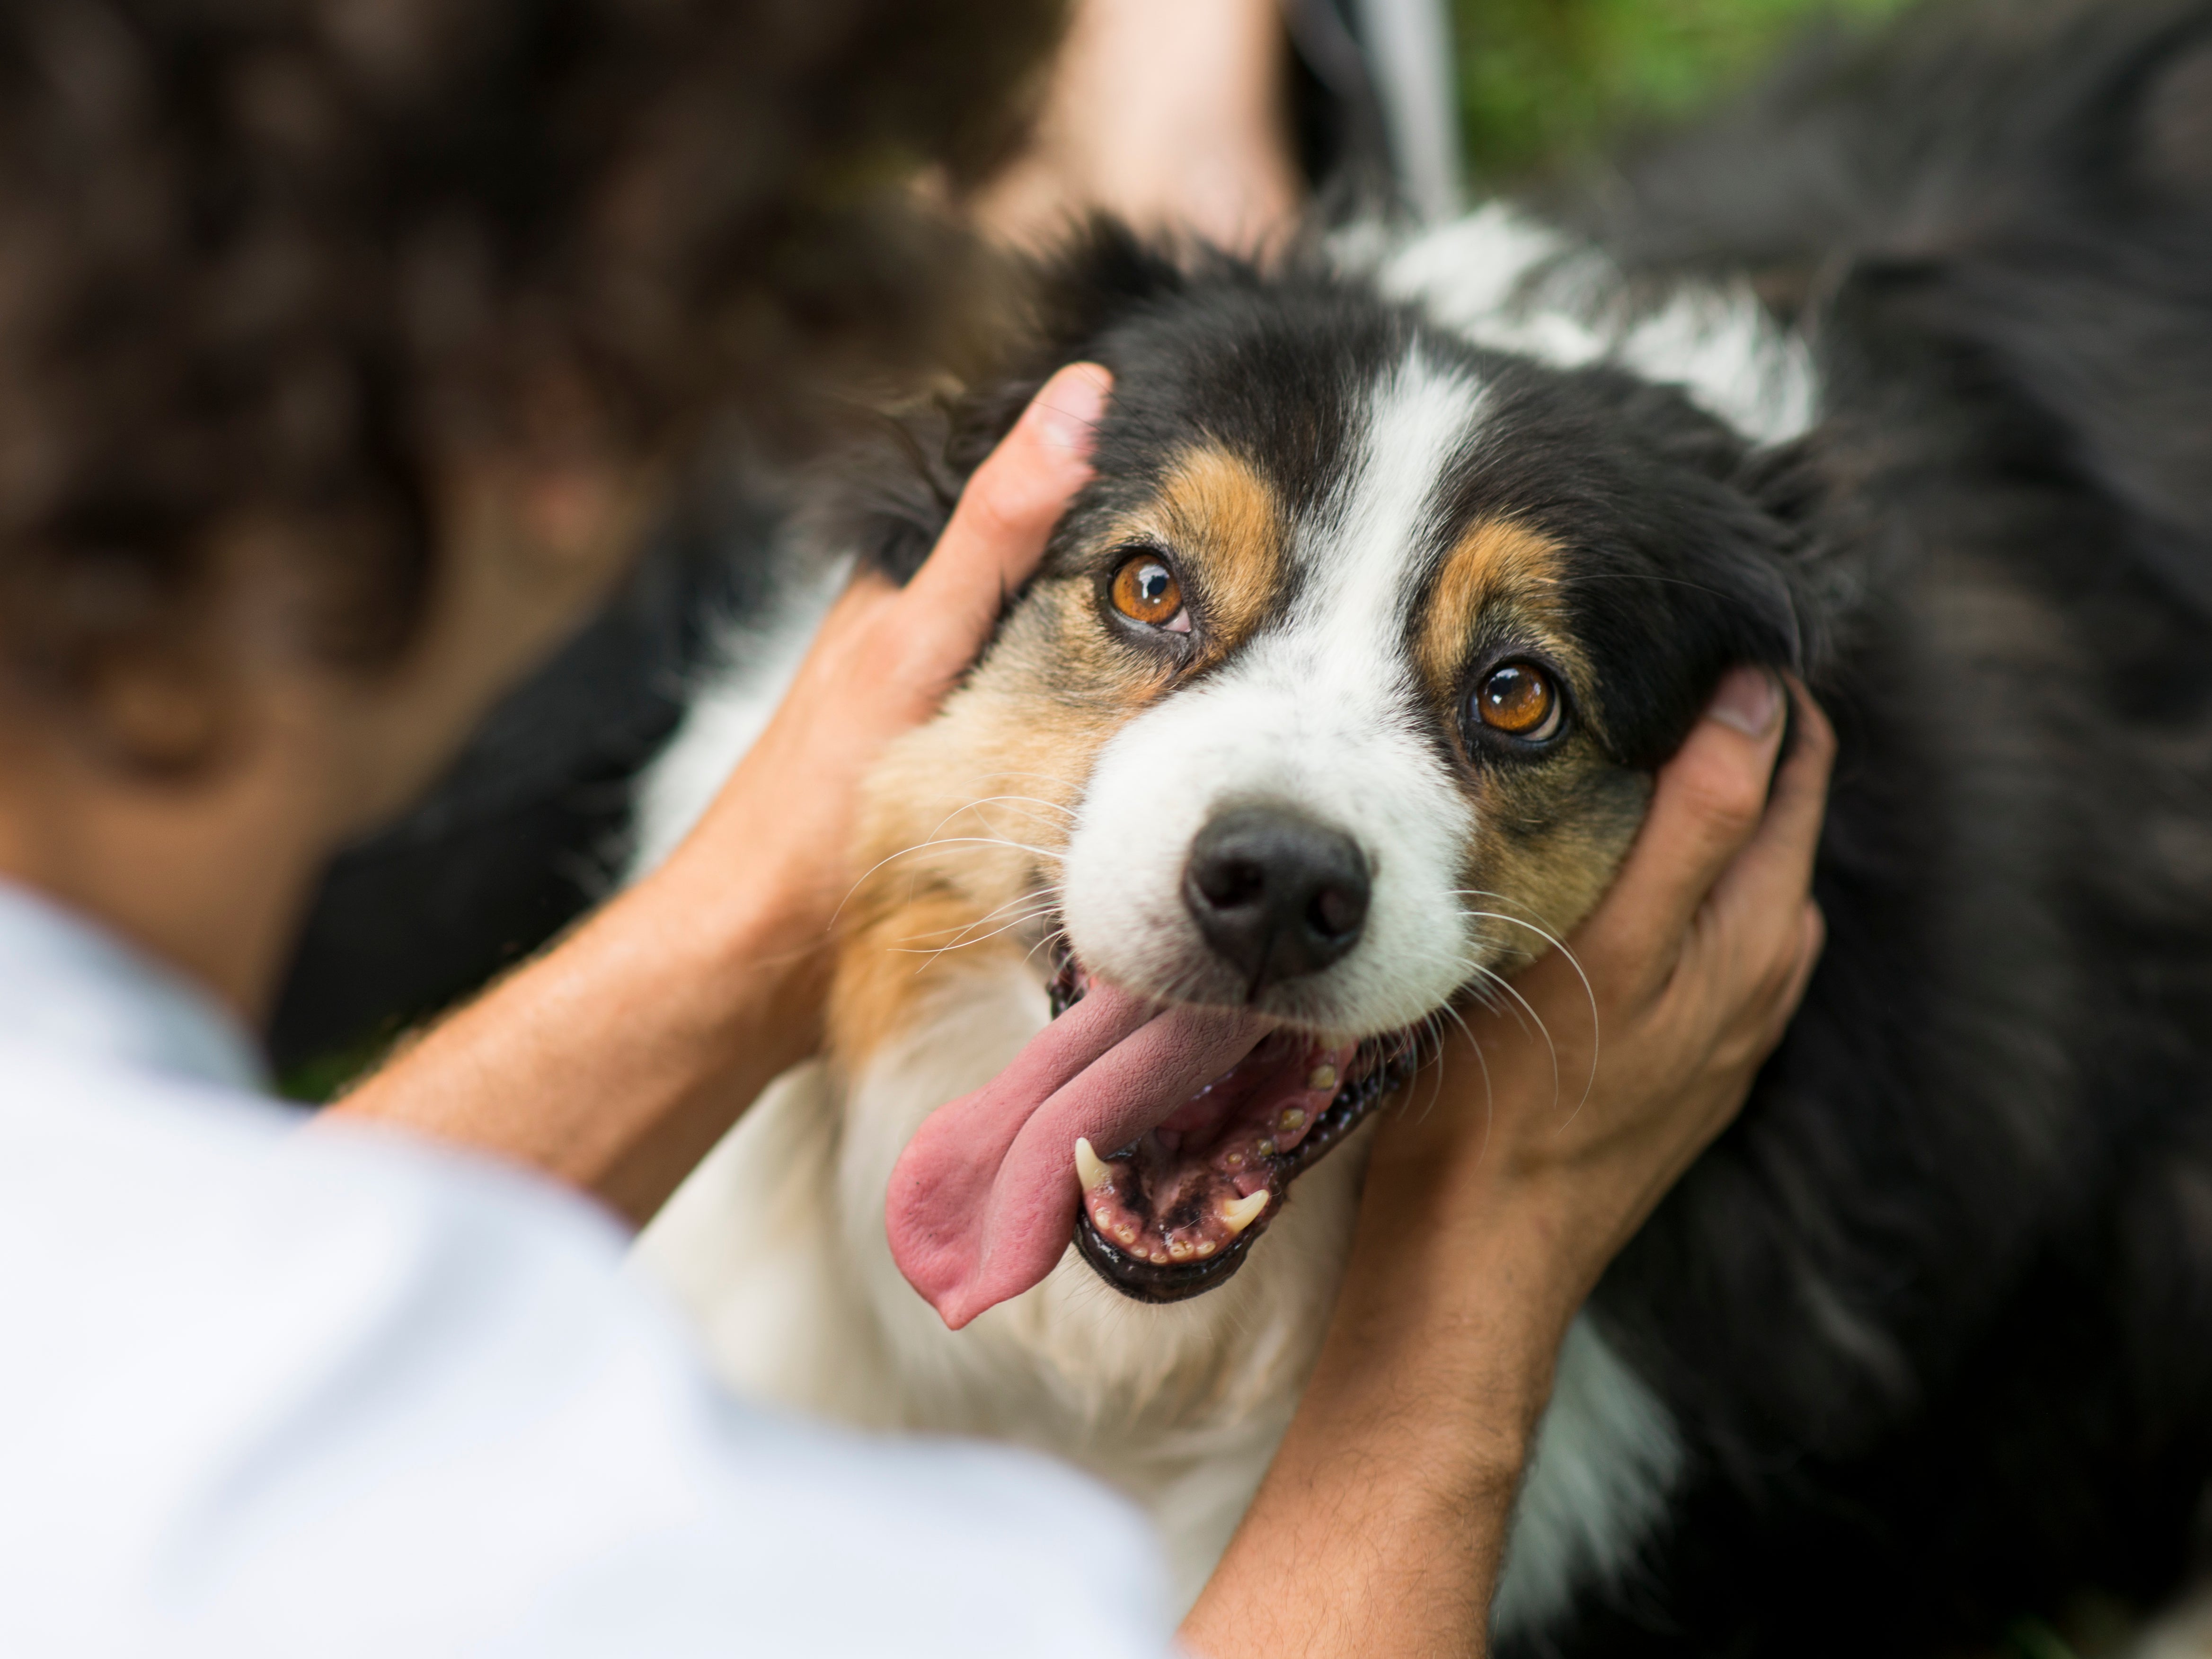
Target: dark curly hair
x=260, y=260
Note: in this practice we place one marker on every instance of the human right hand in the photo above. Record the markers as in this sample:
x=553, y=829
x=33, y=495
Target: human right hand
x=1629, y=1051
x=1491, y=1207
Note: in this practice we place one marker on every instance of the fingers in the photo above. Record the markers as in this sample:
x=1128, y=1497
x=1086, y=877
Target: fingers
x=1707, y=804
x=1812, y=939
x=998, y=531
x=1761, y=889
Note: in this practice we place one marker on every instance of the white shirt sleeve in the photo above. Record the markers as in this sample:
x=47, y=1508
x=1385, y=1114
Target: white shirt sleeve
x=331, y=1394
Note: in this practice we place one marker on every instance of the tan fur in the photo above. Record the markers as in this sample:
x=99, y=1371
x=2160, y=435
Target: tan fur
x=1552, y=834
x=963, y=829
x=1226, y=526
x=1497, y=563
x=966, y=817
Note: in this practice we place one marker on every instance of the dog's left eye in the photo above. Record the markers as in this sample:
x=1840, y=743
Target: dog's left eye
x=1146, y=589
x=1519, y=699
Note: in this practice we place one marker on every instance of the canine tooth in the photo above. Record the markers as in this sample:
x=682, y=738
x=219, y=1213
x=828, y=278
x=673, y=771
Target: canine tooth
x=1241, y=1212
x=1322, y=1076
x=1092, y=1170
x=1293, y=1119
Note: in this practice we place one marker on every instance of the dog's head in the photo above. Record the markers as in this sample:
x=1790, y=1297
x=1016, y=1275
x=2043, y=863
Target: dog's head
x=1337, y=697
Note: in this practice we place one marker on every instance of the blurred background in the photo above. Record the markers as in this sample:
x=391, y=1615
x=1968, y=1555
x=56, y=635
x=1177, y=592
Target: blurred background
x=1542, y=84
x=1221, y=118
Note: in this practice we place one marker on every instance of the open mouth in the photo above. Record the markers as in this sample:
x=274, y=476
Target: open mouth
x=1175, y=1213
x=1209, y=1113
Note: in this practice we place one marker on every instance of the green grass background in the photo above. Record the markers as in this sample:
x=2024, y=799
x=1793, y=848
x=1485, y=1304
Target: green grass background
x=1542, y=82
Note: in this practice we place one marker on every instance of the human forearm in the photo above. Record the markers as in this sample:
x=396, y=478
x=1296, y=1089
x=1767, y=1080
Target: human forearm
x=1381, y=1524
x=614, y=1061
x=1173, y=117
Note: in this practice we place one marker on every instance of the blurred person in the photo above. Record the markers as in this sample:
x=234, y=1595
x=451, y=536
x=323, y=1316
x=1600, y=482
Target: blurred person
x=1212, y=122
x=349, y=348
x=1174, y=117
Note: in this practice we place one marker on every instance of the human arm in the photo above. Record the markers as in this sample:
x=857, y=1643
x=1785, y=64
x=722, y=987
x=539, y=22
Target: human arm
x=1171, y=116
x=1489, y=1215
x=614, y=1060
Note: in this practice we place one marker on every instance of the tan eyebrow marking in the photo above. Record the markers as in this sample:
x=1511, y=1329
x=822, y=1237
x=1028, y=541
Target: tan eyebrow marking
x=1228, y=522
x=1494, y=558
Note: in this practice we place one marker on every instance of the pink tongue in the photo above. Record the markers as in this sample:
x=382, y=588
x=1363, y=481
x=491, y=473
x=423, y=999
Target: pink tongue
x=982, y=1201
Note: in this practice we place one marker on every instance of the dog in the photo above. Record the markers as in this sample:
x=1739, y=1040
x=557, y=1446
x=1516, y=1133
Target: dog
x=1338, y=696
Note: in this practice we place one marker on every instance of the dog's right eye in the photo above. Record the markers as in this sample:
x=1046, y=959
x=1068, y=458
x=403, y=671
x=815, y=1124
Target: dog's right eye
x=1146, y=589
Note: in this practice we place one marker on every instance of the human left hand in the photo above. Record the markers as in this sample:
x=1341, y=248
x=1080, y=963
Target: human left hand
x=884, y=658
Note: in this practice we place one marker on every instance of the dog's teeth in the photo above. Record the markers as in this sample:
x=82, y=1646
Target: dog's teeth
x=1293, y=1119
x=1127, y=1235
x=1322, y=1076
x=1266, y=1149
x=1178, y=1249
x=1207, y=1247
x=1238, y=1213
x=1092, y=1170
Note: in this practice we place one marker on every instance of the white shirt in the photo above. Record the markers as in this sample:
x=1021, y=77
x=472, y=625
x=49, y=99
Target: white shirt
x=264, y=1392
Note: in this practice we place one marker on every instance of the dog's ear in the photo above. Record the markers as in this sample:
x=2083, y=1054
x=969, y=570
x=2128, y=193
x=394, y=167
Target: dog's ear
x=888, y=500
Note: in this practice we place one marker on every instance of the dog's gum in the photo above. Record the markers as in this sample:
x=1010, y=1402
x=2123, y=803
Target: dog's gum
x=1212, y=1163
x=1219, y=1221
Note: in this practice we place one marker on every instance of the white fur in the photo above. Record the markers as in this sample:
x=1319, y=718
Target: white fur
x=1319, y=715
x=776, y=1242
x=1607, y=1457
x=749, y=670
x=1512, y=285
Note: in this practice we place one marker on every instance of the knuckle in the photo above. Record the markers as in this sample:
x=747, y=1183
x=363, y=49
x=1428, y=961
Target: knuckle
x=987, y=510
x=1727, y=802
x=1815, y=733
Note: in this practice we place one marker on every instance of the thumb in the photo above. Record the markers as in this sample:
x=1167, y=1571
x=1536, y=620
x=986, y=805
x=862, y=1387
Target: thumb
x=1707, y=804
x=998, y=531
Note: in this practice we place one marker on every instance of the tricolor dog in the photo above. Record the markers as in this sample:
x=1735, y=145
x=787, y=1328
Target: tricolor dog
x=1338, y=699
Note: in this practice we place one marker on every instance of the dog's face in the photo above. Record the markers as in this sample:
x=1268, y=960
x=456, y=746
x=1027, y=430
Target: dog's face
x=1335, y=699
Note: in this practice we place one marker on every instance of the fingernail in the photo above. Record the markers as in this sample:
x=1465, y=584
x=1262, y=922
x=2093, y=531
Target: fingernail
x=1067, y=410
x=1749, y=700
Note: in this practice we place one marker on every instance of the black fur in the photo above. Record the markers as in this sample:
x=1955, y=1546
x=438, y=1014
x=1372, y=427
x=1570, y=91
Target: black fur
x=1936, y=1316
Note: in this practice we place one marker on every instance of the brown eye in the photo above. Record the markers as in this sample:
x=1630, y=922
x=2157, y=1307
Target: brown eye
x=1145, y=590
x=1519, y=700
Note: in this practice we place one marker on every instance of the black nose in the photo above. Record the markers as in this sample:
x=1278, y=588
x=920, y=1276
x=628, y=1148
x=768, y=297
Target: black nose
x=1276, y=895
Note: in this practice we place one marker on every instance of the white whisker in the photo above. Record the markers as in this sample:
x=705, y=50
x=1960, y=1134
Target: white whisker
x=1589, y=992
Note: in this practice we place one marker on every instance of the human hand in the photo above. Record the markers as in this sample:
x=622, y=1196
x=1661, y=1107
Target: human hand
x=1576, y=1107
x=777, y=838
x=1490, y=1210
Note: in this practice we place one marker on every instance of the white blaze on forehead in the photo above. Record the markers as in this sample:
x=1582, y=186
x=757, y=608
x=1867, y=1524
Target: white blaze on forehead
x=1319, y=712
x=1361, y=555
